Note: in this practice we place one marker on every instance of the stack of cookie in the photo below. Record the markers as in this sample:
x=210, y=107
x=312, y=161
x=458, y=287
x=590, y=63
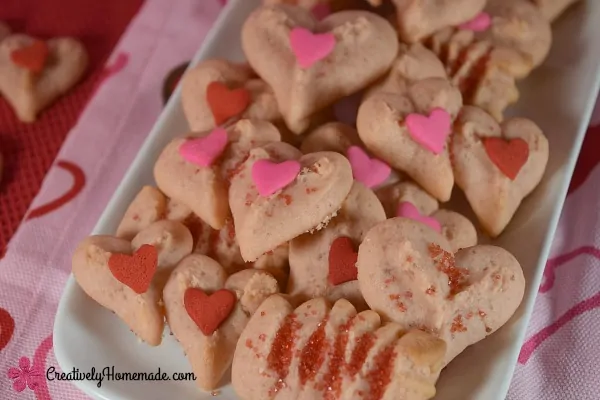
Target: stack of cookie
x=316, y=257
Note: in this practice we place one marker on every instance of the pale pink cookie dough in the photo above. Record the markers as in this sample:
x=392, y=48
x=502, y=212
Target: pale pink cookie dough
x=282, y=354
x=365, y=46
x=29, y=93
x=204, y=189
x=493, y=196
x=222, y=246
x=381, y=124
x=414, y=63
x=408, y=274
x=211, y=355
x=142, y=313
x=310, y=261
x=552, y=9
x=194, y=100
x=418, y=19
x=306, y=204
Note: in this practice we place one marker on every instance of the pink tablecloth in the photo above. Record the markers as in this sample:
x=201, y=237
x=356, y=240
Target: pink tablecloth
x=558, y=361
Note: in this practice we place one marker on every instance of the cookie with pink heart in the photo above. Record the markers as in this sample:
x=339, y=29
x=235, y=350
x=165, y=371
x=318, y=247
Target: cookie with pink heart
x=409, y=274
x=497, y=166
x=325, y=351
x=128, y=277
x=217, y=92
x=417, y=20
x=196, y=171
x=279, y=194
x=312, y=64
x=323, y=264
x=34, y=73
x=206, y=311
x=409, y=131
x=344, y=139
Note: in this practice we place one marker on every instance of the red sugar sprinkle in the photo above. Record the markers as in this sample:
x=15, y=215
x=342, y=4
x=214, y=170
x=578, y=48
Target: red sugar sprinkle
x=249, y=343
x=400, y=305
x=408, y=294
x=380, y=376
x=262, y=337
x=136, y=217
x=457, y=277
x=280, y=356
x=313, y=354
x=332, y=381
x=287, y=198
x=360, y=352
x=262, y=313
x=482, y=314
x=430, y=290
x=457, y=325
x=310, y=190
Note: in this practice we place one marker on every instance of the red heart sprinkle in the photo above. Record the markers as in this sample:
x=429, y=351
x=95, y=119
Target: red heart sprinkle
x=135, y=271
x=342, y=261
x=226, y=103
x=32, y=57
x=508, y=155
x=208, y=312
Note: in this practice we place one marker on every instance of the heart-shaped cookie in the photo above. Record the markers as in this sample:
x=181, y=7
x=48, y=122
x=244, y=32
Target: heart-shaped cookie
x=521, y=26
x=305, y=204
x=494, y=196
x=207, y=311
x=222, y=247
x=204, y=189
x=364, y=48
x=321, y=352
x=148, y=206
x=30, y=80
x=215, y=92
x=385, y=125
x=413, y=63
x=408, y=274
x=319, y=264
x=128, y=277
x=416, y=20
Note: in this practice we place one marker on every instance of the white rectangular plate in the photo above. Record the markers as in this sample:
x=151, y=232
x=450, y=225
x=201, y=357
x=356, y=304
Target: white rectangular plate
x=559, y=97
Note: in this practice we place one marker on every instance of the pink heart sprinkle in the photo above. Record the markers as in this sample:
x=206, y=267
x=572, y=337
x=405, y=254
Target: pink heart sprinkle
x=310, y=47
x=430, y=132
x=205, y=150
x=269, y=177
x=368, y=171
x=321, y=11
x=480, y=23
x=408, y=210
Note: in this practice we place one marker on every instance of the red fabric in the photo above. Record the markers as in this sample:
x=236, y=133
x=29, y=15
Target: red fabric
x=29, y=149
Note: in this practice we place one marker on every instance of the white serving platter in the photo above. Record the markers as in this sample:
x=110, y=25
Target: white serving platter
x=559, y=97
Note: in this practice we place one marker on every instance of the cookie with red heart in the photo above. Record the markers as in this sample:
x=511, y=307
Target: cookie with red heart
x=322, y=264
x=128, y=277
x=312, y=64
x=196, y=171
x=497, y=166
x=207, y=311
x=409, y=131
x=280, y=194
x=34, y=73
x=409, y=274
x=321, y=351
x=218, y=92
